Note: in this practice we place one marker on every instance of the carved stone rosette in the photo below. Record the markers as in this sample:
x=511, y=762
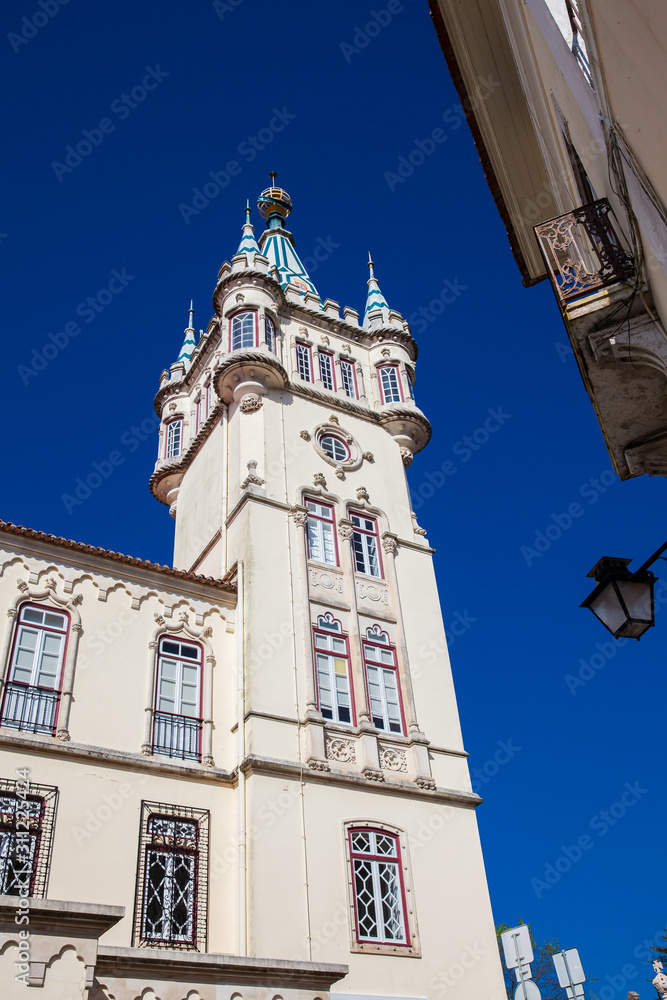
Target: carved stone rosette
x=343, y=751
x=393, y=758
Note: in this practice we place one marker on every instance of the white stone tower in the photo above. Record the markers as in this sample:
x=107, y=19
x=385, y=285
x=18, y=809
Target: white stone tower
x=284, y=439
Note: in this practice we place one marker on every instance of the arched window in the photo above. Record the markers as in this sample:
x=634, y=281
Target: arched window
x=378, y=887
x=390, y=386
x=32, y=691
x=332, y=666
x=177, y=718
x=243, y=330
x=174, y=439
x=382, y=682
x=336, y=449
x=270, y=333
x=366, y=545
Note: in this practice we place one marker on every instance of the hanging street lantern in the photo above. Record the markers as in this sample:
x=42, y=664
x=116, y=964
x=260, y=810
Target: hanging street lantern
x=622, y=600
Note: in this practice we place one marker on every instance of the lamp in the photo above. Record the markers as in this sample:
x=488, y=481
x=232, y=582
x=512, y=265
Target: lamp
x=623, y=601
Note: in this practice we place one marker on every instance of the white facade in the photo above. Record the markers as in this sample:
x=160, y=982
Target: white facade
x=250, y=759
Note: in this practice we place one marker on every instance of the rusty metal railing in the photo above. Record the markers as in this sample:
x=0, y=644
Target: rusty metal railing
x=582, y=252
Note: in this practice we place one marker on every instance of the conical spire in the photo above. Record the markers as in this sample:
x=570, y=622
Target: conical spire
x=277, y=243
x=248, y=244
x=190, y=342
x=375, y=299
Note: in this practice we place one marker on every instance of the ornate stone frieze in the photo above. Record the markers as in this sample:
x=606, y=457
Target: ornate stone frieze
x=375, y=592
x=328, y=581
x=341, y=750
x=393, y=758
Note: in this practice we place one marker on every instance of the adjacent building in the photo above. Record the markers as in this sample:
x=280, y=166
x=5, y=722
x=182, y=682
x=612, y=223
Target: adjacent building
x=238, y=777
x=565, y=100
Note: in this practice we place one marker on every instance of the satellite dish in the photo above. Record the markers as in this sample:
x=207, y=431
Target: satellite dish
x=527, y=990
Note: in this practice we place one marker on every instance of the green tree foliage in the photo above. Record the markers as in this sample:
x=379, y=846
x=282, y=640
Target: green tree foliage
x=660, y=951
x=542, y=966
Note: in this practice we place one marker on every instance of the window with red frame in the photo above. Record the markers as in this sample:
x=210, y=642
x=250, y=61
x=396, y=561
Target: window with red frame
x=378, y=887
x=349, y=378
x=177, y=719
x=303, y=362
x=332, y=666
x=322, y=544
x=243, y=330
x=334, y=447
x=327, y=370
x=390, y=385
x=366, y=545
x=32, y=691
x=384, y=693
x=174, y=439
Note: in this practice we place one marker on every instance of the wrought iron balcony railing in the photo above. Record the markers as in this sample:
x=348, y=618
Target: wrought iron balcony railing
x=30, y=709
x=582, y=252
x=177, y=736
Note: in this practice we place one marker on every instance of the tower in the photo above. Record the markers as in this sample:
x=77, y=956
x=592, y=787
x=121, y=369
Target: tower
x=285, y=433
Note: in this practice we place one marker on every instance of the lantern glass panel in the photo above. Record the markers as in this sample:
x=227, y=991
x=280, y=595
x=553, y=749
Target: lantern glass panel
x=608, y=608
x=637, y=597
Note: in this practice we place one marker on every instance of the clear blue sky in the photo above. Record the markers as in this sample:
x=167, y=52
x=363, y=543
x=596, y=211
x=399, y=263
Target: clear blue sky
x=346, y=118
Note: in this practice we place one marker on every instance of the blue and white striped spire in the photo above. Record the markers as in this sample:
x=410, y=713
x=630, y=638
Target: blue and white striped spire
x=277, y=243
x=189, y=344
x=248, y=244
x=375, y=299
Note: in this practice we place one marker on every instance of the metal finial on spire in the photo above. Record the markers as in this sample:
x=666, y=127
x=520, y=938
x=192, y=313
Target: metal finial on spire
x=248, y=210
x=273, y=175
x=370, y=264
x=191, y=313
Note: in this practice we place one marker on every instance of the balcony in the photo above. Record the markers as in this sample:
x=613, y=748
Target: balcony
x=177, y=736
x=30, y=709
x=583, y=253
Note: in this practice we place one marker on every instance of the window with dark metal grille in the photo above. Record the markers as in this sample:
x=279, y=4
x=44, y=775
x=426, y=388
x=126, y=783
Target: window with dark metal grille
x=389, y=385
x=321, y=532
x=243, y=330
x=177, y=719
x=303, y=364
x=365, y=545
x=327, y=370
x=348, y=378
x=172, y=880
x=377, y=881
x=32, y=690
x=27, y=814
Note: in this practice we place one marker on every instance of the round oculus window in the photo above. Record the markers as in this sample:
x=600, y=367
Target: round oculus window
x=334, y=448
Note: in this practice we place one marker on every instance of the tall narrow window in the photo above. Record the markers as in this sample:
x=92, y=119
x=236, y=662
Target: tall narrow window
x=327, y=370
x=321, y=532
x=382, y=681
x=378, y=888
x=243, y=330
x=270, y=333
x=303, y=362
x=172, y=887
x=177, y=719
x=174, y=439
x=390, y=388
x=349, y=378
x=332, y=664
x=27, y=813
x=198, y=413
x=207, y=399
x=32, y=690
x=365, y=545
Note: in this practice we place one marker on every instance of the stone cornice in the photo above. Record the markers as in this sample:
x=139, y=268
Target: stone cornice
x=106, y=561
x=193, y=967
x=55, y=916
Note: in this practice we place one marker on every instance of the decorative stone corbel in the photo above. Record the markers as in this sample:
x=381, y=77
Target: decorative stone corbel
x=252, y=479
x=389, y=542
x=345, y=529
x=319, y=480
x=250, y=402
x=299, y=515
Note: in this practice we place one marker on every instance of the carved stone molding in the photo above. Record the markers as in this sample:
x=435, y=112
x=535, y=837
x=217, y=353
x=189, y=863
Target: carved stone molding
x=318, y=765
x=252, y=478
x=389, y=543
x=305, y=435
x=428, y=784
x=250, y=403
x=343, y=751
x=328, y=581
x=393, y=758
x=362, y=494
x=369, y=456
x=372, y=774
x=345, y=529
x=406, y=456
x=299, y=515
x=378, y=593
x=319, y=480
